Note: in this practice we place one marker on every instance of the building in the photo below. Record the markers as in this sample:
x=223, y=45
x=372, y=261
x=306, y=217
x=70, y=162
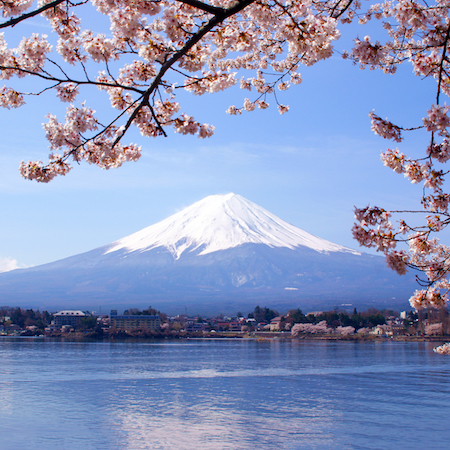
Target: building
x=138, y=322
x=69, y=317
x=275, y=324
x=398, y=329
x=192, y=325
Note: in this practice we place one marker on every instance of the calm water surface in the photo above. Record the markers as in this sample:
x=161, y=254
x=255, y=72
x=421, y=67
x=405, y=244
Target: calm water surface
x=223, y=394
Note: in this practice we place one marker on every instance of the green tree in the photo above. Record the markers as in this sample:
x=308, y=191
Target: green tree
x=375, y=319
x=296, y=316
x=150, y=311
x=264, y=314
x=18, y=317
x=87, y=323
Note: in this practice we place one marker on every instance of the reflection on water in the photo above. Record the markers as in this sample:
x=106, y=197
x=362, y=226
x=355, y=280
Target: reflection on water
x=224, y=413
x=232, y=394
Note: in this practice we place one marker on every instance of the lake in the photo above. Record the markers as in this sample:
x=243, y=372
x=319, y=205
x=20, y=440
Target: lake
x=223, y=394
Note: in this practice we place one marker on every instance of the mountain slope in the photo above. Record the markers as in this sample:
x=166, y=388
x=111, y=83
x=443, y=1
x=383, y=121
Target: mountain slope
x=219, y=222
x=219, y=254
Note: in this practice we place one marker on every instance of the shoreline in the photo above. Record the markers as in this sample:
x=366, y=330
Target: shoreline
x=257, y=336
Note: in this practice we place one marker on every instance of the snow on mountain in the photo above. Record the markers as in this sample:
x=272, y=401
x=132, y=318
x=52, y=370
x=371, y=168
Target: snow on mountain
x=222, y=254
x=221, y=222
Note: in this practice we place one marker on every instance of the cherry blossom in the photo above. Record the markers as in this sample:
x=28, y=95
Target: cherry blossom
x=434, y=329
x=398, y=261
x=345, y=331
x=418, y=33
x=384, y=128
x=9, y=98
x=419, y=300
x=155, y=49
x=153, y=44
x=437, y=119
x=394, y=160
x=443, y=349
x=318, y=328
x=441, y=151
x=367, y=53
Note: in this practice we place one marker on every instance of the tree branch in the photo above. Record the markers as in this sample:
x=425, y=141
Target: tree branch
x=203, y=6
x=70, y=80
x=16, y=20
x=441, y=65
x=216, y=20
x=341, y=11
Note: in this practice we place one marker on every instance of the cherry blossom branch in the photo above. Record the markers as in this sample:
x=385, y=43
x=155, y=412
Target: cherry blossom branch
x=204, y=6
x=87, y=82
x=441, y=64
x=209, y=45
x=341, y=11
x=14, y=21
x=216, y=20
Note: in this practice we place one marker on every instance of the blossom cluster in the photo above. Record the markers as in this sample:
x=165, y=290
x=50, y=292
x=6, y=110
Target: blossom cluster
x=156, y=48
x=369, y=54
x=153, y=43
x=373, y=228
x=317, y=328
x=430, y=298
x=434, y=329
x=345, y=331
x=422, y=250
x=437, y=119
x=443, y=349
x=9, y=98
x=418, y=33
x=385, y=128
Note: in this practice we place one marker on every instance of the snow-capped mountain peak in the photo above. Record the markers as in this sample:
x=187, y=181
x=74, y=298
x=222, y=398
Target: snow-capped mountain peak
x=220, y=222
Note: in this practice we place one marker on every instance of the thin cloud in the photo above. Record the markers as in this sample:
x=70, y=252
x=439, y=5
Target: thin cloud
x=8, y=264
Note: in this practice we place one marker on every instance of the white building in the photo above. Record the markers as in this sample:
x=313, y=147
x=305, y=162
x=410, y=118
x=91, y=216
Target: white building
x=69, y=317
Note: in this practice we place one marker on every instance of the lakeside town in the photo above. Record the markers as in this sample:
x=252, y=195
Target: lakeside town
x=262, y=322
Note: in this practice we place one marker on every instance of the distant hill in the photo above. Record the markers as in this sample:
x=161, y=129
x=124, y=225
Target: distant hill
x=221, y=254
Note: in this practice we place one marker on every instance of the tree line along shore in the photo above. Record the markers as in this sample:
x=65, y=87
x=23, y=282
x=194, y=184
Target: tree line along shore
x=261, y=323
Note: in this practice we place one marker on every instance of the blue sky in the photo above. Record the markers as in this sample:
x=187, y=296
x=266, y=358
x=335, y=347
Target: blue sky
x=309, y=166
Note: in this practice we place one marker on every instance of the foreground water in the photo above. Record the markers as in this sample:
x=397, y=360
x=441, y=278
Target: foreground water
x=223, y=394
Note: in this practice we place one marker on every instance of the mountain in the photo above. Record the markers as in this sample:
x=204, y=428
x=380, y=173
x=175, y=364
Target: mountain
x=221, y=222
x=221, y=254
